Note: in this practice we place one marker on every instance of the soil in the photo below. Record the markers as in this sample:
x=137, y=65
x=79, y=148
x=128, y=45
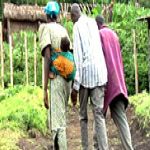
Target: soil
x=139, y=139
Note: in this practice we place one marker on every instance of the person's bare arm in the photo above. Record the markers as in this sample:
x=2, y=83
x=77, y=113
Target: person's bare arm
x=46, y=74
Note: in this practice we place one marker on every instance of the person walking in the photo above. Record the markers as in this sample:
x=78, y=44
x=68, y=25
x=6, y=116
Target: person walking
x=116, y=92
x=91, y=76
x=50, y=35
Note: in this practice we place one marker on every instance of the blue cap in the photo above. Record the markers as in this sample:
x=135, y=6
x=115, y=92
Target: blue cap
x=52, y=8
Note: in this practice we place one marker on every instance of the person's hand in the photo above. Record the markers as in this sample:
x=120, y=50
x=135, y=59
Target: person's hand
x=46, y=104
x=74, y=94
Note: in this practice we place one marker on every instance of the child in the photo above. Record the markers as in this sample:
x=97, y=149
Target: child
x=62, y=63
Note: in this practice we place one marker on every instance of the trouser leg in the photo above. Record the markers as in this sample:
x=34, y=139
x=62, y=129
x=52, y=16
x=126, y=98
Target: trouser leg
x=59, y=139
x=55, y=140
x=95, y=142
x=118, y=114
x=97, y=101
x=62, y=139
x=83, y=99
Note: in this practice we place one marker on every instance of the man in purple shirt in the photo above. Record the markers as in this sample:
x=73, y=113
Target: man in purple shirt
x=116, y=93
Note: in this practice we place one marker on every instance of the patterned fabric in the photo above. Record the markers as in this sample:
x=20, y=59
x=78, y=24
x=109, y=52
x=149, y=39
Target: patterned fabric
x=60, y=135
x=91, y=69
x=63, y=64
x=51, y=34
x=59, y=95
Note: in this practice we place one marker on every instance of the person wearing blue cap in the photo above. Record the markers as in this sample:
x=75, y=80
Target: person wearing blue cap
x=50, y=35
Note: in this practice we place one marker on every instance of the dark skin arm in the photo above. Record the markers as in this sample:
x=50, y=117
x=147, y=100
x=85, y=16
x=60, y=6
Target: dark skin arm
x=46, y=74
x=74, y=95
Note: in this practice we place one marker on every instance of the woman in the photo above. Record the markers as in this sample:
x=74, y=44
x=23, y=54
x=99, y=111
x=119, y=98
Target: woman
x=50, y=36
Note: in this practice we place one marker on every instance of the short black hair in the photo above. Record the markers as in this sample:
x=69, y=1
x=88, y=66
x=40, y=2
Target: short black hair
x=65, y=44
x=100, y=19
x=52, y=17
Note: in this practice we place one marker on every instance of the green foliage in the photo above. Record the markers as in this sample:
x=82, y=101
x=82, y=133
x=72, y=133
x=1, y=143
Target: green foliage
x=43, y=2
x=4, y=94
x=68, y=25
x=145, y=3
x=1, y=10
x=141, y=104
x=19, y=60
x=23, y=110
x=9, y=139
x=124, y=21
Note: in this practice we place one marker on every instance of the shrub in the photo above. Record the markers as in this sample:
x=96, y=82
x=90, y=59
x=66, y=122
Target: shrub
x=23, y=110
x=19, y=60
x=124, y=20
x=141, y=104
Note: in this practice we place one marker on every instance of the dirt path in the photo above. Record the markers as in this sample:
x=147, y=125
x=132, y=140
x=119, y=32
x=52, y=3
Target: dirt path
x=140, y=142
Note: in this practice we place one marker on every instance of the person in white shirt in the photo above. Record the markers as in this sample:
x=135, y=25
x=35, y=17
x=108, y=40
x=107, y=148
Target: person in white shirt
x=91, y=76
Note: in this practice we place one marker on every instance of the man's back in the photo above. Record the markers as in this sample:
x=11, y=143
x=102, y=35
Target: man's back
x=111, y=48
x=110, y=37
x=88, y=52
x=116, y=81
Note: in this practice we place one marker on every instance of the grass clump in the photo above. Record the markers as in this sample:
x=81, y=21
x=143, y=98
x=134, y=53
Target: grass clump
x=21, y=110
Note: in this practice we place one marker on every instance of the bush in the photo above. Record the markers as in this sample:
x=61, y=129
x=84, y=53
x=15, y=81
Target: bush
x=10, y=92
x=141, y=104
x=124, y=20
x=145, y=3
x=23, y=110
x=19, y=60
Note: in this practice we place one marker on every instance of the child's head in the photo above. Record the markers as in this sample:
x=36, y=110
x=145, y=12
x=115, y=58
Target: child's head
x=65, y=44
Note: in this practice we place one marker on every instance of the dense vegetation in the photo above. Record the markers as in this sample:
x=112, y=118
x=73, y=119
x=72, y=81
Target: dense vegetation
x=141, y=105
x=19, y=60
x=21, y=107
x=1, y=10
x=123, y=23
x=144, y=3
x=124, y=20
x=21, y=110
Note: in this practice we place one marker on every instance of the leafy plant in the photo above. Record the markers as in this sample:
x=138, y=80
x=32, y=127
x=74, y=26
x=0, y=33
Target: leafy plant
x=141, y=104
x=20, y=110
x=124, y=21
x=19, y=60
x=23, y=110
